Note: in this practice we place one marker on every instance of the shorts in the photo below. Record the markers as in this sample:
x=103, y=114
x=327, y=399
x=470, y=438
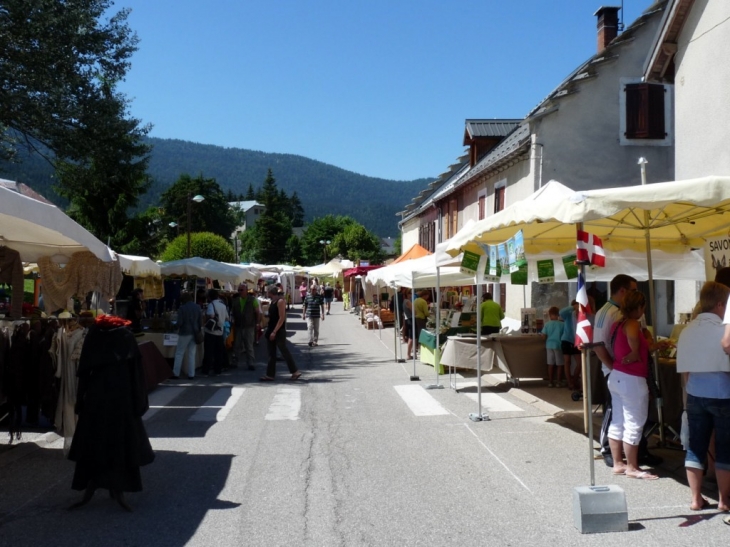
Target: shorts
x=554, y=357
x=568, y=348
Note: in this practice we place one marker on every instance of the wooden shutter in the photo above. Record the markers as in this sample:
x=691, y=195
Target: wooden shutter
x=482, y=207
x=499, y=199
x=645, y=111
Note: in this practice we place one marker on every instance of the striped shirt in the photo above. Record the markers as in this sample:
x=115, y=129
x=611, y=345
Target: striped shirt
x=313, y=305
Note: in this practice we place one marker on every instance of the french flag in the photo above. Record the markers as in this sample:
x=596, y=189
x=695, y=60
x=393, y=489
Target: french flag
x=583, y=328
x=590, y=250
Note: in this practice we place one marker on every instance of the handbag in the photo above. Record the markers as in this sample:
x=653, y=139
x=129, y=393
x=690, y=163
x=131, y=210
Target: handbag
x=199, y=336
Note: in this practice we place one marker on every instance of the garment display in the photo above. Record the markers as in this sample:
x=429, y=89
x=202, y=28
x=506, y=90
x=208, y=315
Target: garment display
x=110, y=443
x=66, y=351
x=153, y=287
x=84, y=273
x=11, y=272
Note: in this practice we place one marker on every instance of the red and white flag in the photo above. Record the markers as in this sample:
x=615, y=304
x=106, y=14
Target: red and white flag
x=590, y=250
x=583, y=327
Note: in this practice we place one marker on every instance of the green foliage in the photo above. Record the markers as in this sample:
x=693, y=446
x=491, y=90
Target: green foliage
x=398, y=245
x=347, y=237
x=61, y=62
x=293, y=250
x=202, y=244
x=145, y=234
x=210, y=215
x=355, y=242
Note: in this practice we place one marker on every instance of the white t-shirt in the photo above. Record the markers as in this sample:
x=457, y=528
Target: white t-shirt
x=217, y=307
x=604, y=322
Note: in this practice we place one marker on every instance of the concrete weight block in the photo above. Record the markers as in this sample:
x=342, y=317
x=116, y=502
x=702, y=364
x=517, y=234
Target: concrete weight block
x=598, y=509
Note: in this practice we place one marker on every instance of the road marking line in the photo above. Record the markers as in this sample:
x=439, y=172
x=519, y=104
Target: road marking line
x=419, y=401
x=218, y=406
x=495, y=403
x=497, y=458
x=286, y=404
x=159, y=398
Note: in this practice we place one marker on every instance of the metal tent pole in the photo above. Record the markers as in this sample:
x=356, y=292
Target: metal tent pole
x=479, y=416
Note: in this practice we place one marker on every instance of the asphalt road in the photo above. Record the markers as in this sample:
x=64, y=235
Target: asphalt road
x=355, y=453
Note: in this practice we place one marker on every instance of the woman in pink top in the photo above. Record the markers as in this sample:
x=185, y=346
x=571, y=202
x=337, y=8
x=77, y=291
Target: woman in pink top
x=628, y=387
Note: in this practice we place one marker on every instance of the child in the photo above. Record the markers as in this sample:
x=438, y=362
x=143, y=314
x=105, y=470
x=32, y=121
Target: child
x=553, y=332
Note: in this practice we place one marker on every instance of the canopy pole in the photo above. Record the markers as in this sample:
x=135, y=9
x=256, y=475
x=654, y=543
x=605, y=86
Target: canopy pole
x=652, y=301
x=398, y=315
x=479, y=416
x=587, y=395
x=414, y=342
x=437, y=349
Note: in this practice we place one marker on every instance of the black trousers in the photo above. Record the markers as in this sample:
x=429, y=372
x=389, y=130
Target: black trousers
x=280, y=343
x=214, y=353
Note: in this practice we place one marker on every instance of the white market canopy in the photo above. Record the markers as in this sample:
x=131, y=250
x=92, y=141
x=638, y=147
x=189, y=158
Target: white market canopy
x=139, y=266
x=333, y=268
x=206, y=267
x=36, y=229
x=418, y=273
x=678, y=216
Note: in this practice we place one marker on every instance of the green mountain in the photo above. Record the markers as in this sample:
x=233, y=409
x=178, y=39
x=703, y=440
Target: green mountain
x=323, y=188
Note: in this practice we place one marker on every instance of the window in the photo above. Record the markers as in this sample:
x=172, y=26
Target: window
x=453, y=217
x=482, y=206
x=645, y=111
x=498, y=198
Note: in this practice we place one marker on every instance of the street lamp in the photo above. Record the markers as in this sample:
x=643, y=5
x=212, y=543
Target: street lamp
x=197, y=199
x=324, y=243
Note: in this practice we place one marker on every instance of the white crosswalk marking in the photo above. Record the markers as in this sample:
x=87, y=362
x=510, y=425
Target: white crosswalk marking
x=218, y=406
x=495, y=403
x=419, y=401
x=286, y=405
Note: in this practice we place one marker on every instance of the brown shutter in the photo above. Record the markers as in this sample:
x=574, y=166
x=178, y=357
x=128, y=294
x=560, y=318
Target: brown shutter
x=645, y=111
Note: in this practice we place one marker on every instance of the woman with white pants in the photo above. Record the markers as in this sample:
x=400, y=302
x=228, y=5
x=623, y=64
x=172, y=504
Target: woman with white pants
x=629, y=390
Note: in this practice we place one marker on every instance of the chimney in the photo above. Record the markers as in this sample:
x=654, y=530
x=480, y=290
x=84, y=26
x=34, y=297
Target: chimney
x=607, y=25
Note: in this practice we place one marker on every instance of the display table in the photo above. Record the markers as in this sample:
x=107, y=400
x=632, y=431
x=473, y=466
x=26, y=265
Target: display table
x=168, y=352
x=427, y=344
x=518, y=355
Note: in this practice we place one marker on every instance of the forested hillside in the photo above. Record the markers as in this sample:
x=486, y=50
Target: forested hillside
x=322, y=188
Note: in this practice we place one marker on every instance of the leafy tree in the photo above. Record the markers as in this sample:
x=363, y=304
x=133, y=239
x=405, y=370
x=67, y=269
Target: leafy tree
x=211, y=215
x=398, y=245
x=202, y=244
x=347, y=238
x=247, y=245
x=293, y=250
x=61, y=62
x=356, y=243
x=144, y=234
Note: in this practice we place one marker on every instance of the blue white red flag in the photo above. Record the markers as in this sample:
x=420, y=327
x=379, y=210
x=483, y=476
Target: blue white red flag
x=583, y=327
x=589, y=250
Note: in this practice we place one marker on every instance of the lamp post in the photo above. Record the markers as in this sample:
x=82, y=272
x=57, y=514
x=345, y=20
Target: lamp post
x=324, y=243
x=197, y=199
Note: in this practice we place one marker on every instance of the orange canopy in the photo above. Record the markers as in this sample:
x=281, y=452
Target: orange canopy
x=414, y=252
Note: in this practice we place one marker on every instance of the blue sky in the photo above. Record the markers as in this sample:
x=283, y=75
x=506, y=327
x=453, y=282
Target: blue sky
x=378, y=87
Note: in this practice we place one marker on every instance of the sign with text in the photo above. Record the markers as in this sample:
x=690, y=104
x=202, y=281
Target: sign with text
x=717, y=255
x=571, y=270
x=469, y=263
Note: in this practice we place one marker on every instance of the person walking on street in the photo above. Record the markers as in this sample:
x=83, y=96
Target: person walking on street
x=312, y=311
x=189, y=321
x=328, y=294
x=276, y=337
x=492, y=315
x=214, y=356
x=246, y=314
